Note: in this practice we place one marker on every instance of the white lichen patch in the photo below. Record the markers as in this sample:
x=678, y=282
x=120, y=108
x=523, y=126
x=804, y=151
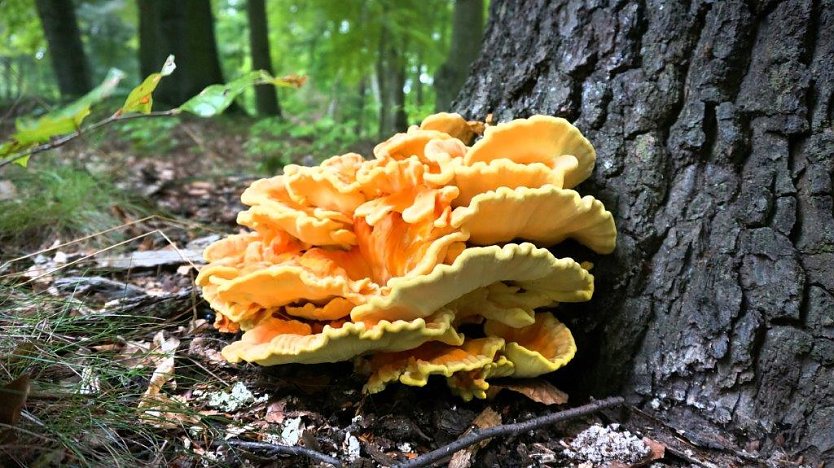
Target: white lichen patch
x=291, y=432
x=239, y=397
x=599, y=445
x=351, y=447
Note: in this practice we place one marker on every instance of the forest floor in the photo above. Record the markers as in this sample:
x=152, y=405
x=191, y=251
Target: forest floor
x=115, y=346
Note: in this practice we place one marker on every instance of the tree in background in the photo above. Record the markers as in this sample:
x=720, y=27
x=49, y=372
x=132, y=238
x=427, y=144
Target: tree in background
x=184, y=28
x=467, y=30
x=354, y=77
x=353, y=49
x=713, y=128
x=266, y=99
x=108, y=30
x=23, y=54
x=65, y=48
x=390, y=75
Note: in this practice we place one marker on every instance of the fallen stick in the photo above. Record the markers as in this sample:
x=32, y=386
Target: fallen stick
x=508, y=429
x=285, y=449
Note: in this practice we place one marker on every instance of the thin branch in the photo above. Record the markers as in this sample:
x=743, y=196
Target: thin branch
x=72, y=136
x=509, y=429
x=285, y=449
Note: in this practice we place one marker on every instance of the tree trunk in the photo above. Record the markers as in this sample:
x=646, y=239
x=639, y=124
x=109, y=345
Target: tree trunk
x=467, y=30
x=266, y=99
x=713, y=128
x=390, y=71
x=361, y=97
x=65, y=48
x=396, y=62
x=184, y=28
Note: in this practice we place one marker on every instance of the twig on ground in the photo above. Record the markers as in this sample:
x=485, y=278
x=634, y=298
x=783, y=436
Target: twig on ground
x=508, y=429
x=277, y=448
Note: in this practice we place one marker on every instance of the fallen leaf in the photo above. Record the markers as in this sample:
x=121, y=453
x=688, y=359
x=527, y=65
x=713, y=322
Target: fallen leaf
x=200, y=347
x=537, y=390
x=657, y=450
x=276, y=412
x=152, y=400
x=12, y=398
x=486, y=419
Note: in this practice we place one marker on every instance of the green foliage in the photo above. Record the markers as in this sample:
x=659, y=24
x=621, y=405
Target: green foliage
x=20, y=31
x=61, y=121
x=140, y=98
x=109, y=32
x=211, y=101
x=59, y=200
x=276, y=143
x=216, y=98
x=149, y=136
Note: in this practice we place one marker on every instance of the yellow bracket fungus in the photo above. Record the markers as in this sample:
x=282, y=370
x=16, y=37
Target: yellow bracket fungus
x=384, y=259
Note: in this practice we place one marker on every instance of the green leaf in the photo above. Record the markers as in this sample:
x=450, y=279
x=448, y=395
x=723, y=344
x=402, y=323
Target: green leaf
x=140, y=98
x=61, y=121
x=22, y=161
x=50, y=125
x=66, y=119
x=216, y=98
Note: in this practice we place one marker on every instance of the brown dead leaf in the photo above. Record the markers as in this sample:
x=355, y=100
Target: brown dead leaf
x=13, y=398
x=164, y=357
x=276, y=412
x=537, y=390
x=486, y=419
x=294, y=80
x=153, y=400
x=200, y=347
x=657, y=449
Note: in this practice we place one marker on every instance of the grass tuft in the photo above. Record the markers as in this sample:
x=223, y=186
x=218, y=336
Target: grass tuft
x=60, y=201
x=82, y=409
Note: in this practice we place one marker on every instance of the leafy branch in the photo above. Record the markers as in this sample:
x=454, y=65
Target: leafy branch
x=61, y=126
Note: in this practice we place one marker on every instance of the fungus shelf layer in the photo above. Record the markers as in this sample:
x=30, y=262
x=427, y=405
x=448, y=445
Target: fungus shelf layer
x=384, y=259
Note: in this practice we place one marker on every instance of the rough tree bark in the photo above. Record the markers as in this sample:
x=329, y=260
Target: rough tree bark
x=266, y=99
x=69, y=61
x=713, y=128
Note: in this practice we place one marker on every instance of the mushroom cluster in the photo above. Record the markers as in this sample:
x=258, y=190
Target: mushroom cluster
x=386, y=259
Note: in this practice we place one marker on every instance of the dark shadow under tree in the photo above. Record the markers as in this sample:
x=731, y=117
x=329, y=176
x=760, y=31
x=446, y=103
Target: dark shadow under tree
x=713, y=128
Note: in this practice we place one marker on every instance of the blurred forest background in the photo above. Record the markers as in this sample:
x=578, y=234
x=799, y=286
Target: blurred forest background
x=372, y=67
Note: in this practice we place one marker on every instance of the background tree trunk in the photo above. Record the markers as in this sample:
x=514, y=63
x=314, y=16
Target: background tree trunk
x=184, y=28
x=266, y=99
x=467, y=30
x=390, y=69
x=63, y=39
x=713, y=128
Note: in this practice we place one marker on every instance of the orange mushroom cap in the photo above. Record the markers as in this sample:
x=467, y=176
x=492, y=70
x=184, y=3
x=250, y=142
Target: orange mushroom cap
x=387, y=257
x=540, y=138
